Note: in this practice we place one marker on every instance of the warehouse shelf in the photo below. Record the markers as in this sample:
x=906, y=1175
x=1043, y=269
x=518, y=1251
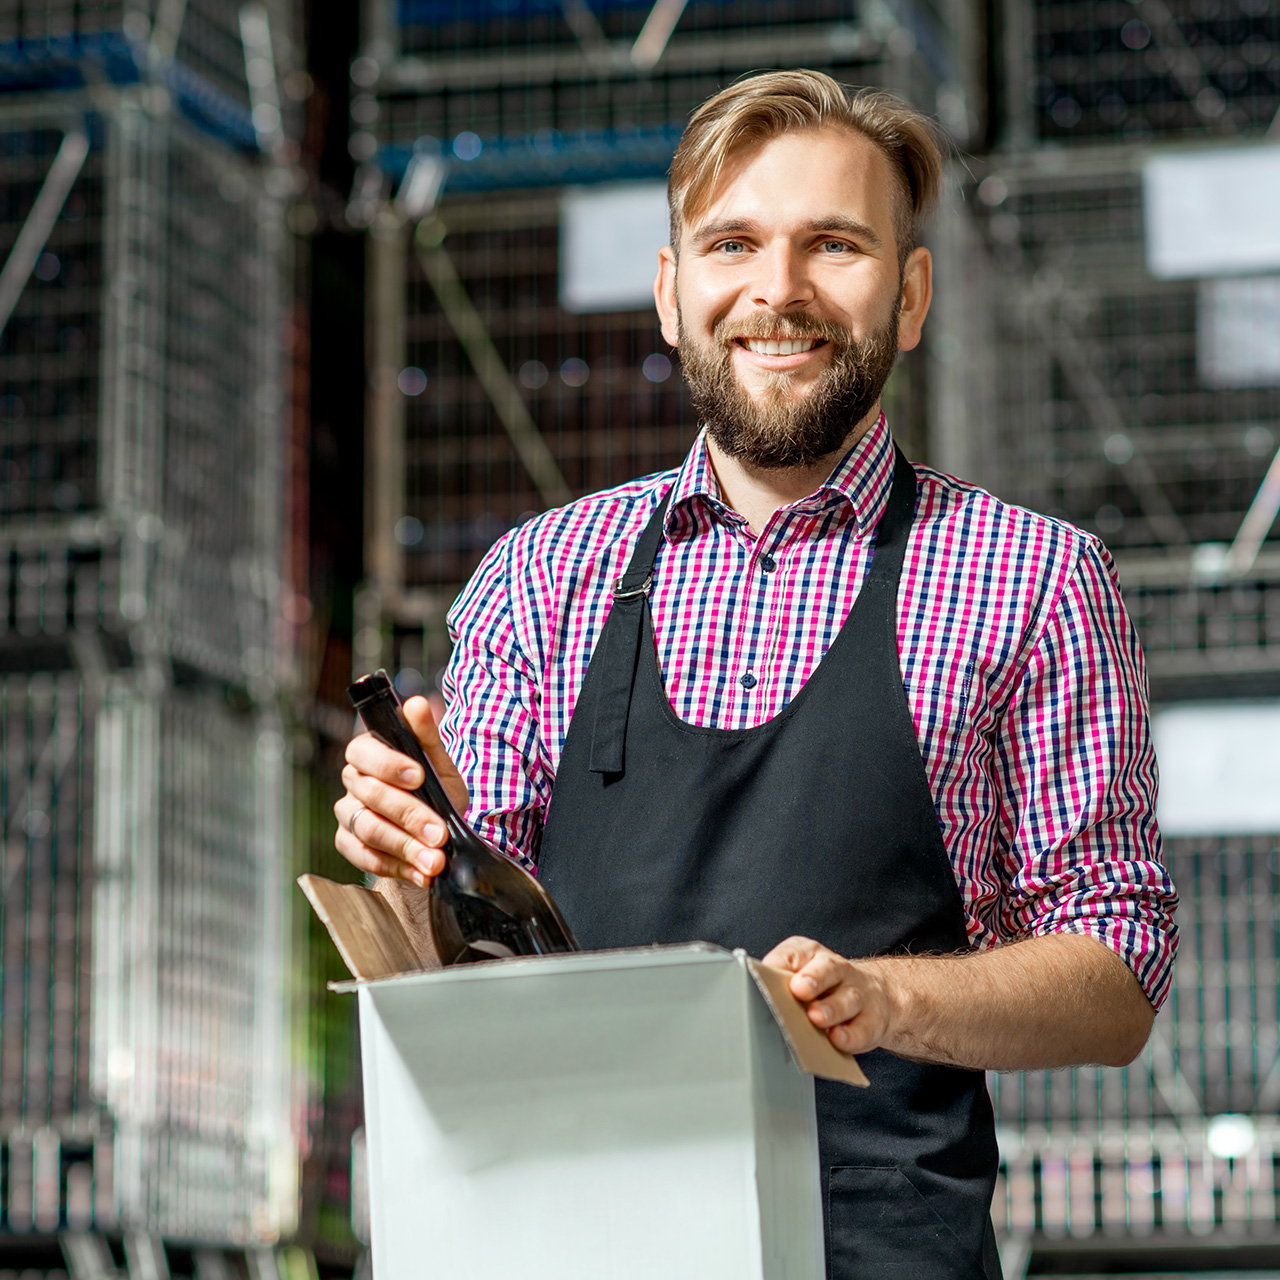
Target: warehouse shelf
x=125, y=36
x=545, y=159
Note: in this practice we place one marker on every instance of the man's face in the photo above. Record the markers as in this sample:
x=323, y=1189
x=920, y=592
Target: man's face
x=787, y=302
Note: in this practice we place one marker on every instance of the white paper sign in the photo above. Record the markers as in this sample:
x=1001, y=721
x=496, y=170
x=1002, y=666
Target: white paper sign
x=1213, y=213
x=609, y=242
x=1219, y=768
x=1238, y=331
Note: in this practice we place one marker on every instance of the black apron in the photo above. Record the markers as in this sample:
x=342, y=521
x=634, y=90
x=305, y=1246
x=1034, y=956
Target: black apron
x=818, y=822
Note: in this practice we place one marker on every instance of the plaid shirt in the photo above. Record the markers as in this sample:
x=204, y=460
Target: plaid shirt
x=1023, y=675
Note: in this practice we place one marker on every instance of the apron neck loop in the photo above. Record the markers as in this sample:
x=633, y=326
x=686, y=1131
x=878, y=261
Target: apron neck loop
x=621, y=647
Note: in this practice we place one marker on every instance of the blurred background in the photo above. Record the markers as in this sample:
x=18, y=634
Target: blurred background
x=302, y=305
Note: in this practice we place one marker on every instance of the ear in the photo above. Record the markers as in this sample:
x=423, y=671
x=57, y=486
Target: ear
x=917, y=293
x=664, y=295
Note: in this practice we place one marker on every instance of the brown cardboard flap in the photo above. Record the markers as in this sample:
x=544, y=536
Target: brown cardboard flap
x=809, y=1045
x=364, y=927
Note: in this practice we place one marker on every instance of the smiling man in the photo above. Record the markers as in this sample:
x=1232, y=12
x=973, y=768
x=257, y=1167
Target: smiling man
x=797, y=696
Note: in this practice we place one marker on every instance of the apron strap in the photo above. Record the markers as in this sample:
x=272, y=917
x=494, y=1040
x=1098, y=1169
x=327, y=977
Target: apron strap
x=894, y=528
x=621, y=647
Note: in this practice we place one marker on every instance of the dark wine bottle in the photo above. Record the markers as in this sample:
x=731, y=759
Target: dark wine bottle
x=482, y=905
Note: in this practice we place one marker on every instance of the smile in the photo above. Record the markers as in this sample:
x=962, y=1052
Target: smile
x=780, y=347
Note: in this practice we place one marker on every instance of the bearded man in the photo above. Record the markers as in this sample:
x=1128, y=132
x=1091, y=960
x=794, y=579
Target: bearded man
x=797, y=696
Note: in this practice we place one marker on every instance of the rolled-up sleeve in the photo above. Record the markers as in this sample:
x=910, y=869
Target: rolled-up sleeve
x=1079, y=843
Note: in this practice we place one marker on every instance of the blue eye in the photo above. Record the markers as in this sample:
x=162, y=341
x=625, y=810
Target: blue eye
x=834, y=246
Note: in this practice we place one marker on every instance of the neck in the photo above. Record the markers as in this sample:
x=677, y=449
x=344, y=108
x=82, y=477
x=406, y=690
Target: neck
x=757, y=492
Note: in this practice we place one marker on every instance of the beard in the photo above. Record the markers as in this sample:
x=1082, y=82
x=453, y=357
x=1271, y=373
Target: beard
x=786, y=428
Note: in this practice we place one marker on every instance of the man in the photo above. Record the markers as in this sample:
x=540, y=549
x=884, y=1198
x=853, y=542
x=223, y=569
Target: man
x=862, y=720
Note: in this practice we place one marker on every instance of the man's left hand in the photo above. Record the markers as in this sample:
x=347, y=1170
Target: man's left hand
x=851, y=1001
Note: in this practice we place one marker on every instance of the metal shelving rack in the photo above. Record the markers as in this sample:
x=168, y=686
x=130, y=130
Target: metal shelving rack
x=509, y=104
x=1097, y=401
x=1176, y=1154
x=146, y=1086
x=1067, y=378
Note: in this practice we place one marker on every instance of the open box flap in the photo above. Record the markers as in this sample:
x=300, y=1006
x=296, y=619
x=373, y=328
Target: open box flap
x=374, y=945
x=364, y=927
x=812, y=1051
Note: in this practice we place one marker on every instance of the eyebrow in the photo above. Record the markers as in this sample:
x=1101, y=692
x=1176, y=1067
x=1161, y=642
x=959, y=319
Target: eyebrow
x=838, y=222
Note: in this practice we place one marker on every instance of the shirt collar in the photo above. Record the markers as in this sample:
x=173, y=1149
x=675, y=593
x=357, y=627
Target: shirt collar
x=859, y=483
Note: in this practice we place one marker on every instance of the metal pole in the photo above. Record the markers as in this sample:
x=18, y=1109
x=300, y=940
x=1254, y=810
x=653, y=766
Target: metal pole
x=651, y=43
x=1257, y=522
x=494, y=376
x=31, y=240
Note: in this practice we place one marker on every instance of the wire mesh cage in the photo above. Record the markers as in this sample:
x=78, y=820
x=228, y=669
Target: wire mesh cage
x=1096, y=393
x=1106, y=395
x=50, y=351
x=143, y=1077
x=602, y=388
x=206, y=41
x=139, y=480
x=47, y=772
x=438, y=28
x=189, y=1052
x=507, y=110
x=1153, y=67
x=1184, y=1139
x=537, y=93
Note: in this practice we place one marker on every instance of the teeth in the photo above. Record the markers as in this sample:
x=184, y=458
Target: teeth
x=784, y=348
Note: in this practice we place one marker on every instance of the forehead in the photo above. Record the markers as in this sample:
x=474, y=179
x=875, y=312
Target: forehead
x=800, y=175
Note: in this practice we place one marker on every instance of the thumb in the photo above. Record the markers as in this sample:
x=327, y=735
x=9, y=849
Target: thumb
x=792, y=954
x=417, y=711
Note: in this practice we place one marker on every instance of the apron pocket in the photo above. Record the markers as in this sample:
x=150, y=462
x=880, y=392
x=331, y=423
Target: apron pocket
x=879, y=1227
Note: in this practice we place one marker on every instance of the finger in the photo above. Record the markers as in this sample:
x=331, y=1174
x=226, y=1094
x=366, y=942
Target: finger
x=398, y=807
x=382, y=837
x=378, y=864
x=842, y=1003
x=790, y=954
x=417, y=711
x=821, y=973
x=376, y=760
x=858, y=1035
x=866, y=1030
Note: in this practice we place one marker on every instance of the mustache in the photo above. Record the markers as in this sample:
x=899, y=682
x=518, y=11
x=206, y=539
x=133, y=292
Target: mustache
x=762, y=327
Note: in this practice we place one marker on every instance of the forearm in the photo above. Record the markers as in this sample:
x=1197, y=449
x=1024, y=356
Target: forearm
x=1053, y=1001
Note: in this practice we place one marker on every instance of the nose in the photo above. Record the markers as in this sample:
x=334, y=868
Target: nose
x=782, y=281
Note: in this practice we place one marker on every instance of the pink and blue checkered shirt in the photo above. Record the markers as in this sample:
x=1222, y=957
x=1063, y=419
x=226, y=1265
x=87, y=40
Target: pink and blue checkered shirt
x=1022, y=671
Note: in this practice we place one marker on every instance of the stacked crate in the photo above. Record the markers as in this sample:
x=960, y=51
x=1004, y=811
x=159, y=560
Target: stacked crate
x=1155, y=67
x=144, y=1080
x=514, y=102
x=1184, y=1142
x=1093, y=395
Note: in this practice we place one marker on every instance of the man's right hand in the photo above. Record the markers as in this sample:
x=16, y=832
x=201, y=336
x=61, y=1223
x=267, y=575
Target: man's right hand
x=395, y=834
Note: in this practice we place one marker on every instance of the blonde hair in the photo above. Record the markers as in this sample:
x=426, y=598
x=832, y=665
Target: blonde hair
x=765, y=106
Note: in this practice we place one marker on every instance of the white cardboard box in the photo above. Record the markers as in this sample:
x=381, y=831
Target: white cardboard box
x=617, y=1115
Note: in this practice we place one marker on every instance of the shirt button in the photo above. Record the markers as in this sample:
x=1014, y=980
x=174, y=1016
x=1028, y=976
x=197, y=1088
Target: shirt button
x=747, y=681
x=768, y=563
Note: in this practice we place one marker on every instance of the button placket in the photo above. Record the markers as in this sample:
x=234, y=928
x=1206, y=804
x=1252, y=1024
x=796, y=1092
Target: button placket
x=771, y=638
